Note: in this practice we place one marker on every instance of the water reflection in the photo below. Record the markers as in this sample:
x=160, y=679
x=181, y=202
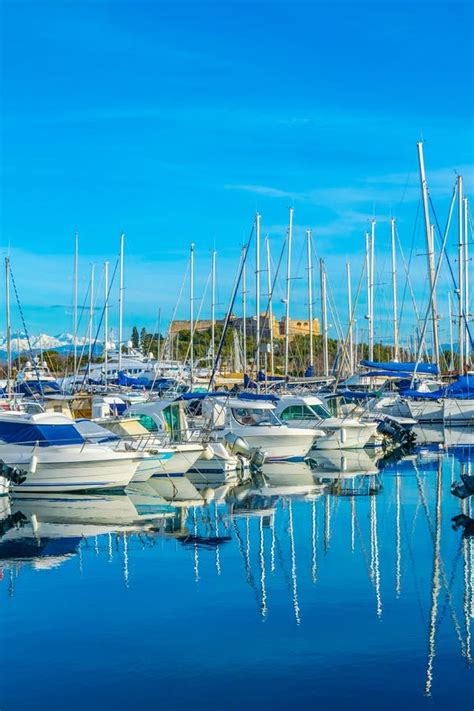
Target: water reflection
x=391, y=549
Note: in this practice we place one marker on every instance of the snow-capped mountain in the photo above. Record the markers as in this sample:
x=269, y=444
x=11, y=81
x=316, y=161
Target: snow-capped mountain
x=63, y=343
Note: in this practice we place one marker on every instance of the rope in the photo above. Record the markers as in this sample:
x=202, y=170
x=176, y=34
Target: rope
x=26, y=330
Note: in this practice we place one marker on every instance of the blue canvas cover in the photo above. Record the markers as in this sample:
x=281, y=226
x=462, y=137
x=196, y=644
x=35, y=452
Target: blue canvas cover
x=126, y=380
x=43, y=435
x=422, y=368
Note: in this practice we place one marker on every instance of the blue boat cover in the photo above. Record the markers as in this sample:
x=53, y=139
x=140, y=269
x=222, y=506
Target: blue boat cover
x=256, y=396
x=425, y=368
x=356, y=394
x=202, y=395
x=261, y=377
x=43, y=435
x=129, y=382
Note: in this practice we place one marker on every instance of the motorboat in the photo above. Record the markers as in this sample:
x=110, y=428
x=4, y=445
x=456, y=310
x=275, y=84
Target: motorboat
x=254, y=420
x=124, y=437
x=169, y=418
x=306, y=411
x=56, y=458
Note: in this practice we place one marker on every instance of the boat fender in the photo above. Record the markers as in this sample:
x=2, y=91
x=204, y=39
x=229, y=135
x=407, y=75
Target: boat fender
x=207, y=454
x=33, y=464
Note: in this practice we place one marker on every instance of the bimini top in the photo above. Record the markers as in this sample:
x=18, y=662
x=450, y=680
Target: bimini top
x=42, y=429
x=395, y=368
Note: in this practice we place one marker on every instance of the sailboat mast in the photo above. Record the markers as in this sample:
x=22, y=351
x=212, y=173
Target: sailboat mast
x=466, y=282
x=191, y=311
x=213, y=306
x=120, y=333
x=74, y=298
x=369, y=303
x=310, y=297
x=270, y=306
x=257, y=294
x=288, y=291
x=394, y=294
x=461, y=324
x=430, y=252
x=244, y=311
x=91, y=312
x=372, y=284
x=9, y=326
x=324, y=324
x=451, y=343
x=349, y=316
x=106, y=319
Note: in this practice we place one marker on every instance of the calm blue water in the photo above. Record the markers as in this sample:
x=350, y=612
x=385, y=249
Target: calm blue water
x=307, y=589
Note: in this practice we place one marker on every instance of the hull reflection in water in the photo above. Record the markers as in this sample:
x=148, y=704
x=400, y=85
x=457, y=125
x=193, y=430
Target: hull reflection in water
x=46, y=530
x=347, y=462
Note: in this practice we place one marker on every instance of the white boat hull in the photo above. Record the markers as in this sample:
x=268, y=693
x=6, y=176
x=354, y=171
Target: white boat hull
x=70, y=468
x=151, y=465
x=426, y=410
x=458, y=412
x=280, y=443
x=184, y=457
x=4, y=486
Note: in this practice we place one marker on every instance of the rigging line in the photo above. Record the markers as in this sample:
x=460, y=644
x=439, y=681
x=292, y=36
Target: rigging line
x=345, y=354
x=83, y=310
x=448, y=261
x=196, y=320
x=332, y=306
x=230, y=308
x=99, y=327
x=433, y=289
x=408, y=266
x=334, y=310
x=270, y=297
x=33, y=360
x=173, y=317
x=408, y=283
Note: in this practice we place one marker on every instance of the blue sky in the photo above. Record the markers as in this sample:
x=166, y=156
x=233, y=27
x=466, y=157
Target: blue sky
x=175, y=121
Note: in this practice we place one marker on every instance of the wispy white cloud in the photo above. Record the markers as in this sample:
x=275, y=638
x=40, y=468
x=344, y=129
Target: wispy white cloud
x=265, y=190
x=378, y=190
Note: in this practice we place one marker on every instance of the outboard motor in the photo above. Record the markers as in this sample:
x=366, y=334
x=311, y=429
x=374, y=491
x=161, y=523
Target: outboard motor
x=13, y=474
x=464, y=488
x=465, y=522
x=238, y=446
x=396, y=432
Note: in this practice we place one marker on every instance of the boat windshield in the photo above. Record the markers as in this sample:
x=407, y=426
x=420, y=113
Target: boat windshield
x=250, y=418
x=26, y=433
x=304, y=412
x=146, y=421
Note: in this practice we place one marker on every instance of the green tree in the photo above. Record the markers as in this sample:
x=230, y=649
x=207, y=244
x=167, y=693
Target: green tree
x=135, y=337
